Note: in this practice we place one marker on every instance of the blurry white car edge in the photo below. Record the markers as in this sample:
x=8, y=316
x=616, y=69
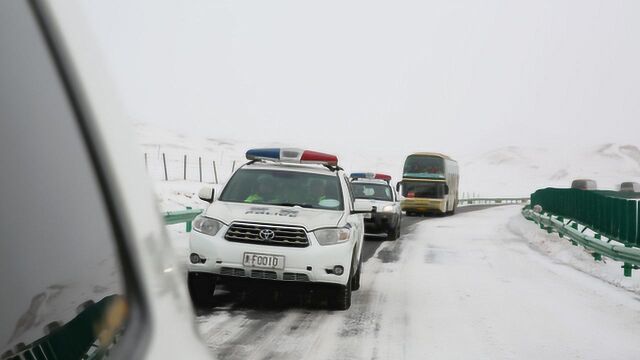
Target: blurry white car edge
x=169, y=327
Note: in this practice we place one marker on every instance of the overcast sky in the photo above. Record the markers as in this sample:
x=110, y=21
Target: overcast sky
x=417, y=75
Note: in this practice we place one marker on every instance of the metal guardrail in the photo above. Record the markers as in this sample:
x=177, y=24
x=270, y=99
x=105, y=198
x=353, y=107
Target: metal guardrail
x=492, y=201
x=610, y=213
x=618, y=252
x=181, y=216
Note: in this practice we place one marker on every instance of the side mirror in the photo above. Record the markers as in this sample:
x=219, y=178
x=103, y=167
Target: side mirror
x=446, y=189
x=398, y=186
x=206, y=194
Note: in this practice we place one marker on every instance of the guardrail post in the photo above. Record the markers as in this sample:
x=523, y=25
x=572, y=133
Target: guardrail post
x=627, y=269
x=189, y=225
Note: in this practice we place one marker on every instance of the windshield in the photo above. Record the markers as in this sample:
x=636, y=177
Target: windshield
x=372, y=191
x=431, y=190
x=285, y=188
x=423, y=166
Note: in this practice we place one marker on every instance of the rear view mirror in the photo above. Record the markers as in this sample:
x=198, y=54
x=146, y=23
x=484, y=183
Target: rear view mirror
x=206, y=194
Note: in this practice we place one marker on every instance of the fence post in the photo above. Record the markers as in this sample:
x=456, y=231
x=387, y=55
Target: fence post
x=164, y=161
x=146, y=162
x=200, y=167
x=215, y=172
x=185, y=168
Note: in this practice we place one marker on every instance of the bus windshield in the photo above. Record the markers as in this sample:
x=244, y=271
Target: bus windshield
x=431, y=190
x=424, y=167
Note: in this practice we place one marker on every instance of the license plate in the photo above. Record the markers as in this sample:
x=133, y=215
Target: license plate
x=264, y=261
x=367, y=216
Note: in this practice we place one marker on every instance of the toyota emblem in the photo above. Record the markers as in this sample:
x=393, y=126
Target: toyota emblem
x=267, y=234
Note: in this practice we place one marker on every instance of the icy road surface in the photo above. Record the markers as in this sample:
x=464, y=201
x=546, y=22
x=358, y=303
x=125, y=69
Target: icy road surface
x=461, y=287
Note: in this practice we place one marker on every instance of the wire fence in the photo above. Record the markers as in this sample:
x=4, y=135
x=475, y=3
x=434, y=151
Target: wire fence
x=166, y=166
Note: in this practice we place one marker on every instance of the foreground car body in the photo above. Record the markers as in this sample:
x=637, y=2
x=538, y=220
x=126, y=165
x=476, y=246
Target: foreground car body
x=96, y=277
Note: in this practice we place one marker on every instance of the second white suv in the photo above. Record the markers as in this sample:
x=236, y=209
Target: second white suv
x=287, y=215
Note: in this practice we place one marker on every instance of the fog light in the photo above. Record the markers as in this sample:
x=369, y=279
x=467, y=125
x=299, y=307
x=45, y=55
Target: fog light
x=338, y=270
x=195, y=258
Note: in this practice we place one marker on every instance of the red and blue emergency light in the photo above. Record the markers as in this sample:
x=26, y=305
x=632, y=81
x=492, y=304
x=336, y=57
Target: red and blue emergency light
x=291, y=155
x=384, y=177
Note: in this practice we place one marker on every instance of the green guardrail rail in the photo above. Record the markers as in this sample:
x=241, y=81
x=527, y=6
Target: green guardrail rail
x=182, y=216
x=610, y=213
x=607, y=214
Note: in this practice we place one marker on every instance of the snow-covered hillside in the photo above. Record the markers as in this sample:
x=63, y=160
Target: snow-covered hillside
x=516, y=171
x=507, y=171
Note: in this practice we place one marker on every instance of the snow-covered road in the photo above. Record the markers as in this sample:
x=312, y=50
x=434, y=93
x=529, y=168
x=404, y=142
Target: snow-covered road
x=463, y=287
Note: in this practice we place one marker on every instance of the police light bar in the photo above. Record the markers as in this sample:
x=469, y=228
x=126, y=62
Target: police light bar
x=384, y=177
x=291, y=155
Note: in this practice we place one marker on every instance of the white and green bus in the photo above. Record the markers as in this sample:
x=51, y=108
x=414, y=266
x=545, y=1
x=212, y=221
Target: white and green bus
x=429, y=184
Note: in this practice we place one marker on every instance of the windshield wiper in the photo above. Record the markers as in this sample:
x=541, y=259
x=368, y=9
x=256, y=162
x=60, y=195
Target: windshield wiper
x=293, y=204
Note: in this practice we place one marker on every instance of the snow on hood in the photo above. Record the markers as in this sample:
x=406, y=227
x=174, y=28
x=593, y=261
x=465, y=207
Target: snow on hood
x=310, y=219
x=379, y=204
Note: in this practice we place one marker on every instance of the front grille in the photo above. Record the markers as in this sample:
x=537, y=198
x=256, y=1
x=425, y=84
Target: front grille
x=262, y=274
x=232, y=271
x=295, y=277
x=282, y=236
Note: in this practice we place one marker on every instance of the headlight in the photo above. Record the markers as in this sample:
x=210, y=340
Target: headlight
x=207, y=225
x=388, y=208
x=332, y=236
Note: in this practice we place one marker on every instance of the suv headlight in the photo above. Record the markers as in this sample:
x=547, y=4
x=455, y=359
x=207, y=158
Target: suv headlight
x=388, y=208
x=207, y=225
x=332, y=236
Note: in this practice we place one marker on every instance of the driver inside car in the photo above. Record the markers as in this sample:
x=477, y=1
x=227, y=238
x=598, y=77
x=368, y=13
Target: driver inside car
x=265, y=192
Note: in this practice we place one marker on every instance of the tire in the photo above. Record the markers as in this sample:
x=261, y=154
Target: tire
x=201, y=288
x=340, y=297
x=355, y=282
x=392, y=233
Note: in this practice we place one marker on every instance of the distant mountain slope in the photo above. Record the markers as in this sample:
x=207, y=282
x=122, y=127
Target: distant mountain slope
x=520, y=170
x=506, y=171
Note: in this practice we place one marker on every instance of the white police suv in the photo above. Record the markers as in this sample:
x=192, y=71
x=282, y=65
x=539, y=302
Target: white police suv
x=370, y=189
x=287, y=215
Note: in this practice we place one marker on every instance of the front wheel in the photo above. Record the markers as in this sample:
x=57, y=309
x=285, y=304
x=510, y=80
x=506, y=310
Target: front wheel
x=355, y=282
x=340, y=297
x=201, y=288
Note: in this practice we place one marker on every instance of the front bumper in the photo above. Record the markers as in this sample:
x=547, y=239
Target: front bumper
x=424, y=205
x=314, y=263
x=380, y=222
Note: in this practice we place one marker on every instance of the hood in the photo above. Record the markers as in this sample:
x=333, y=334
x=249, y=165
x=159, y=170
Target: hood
x=379, y=204
x=309, y=219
